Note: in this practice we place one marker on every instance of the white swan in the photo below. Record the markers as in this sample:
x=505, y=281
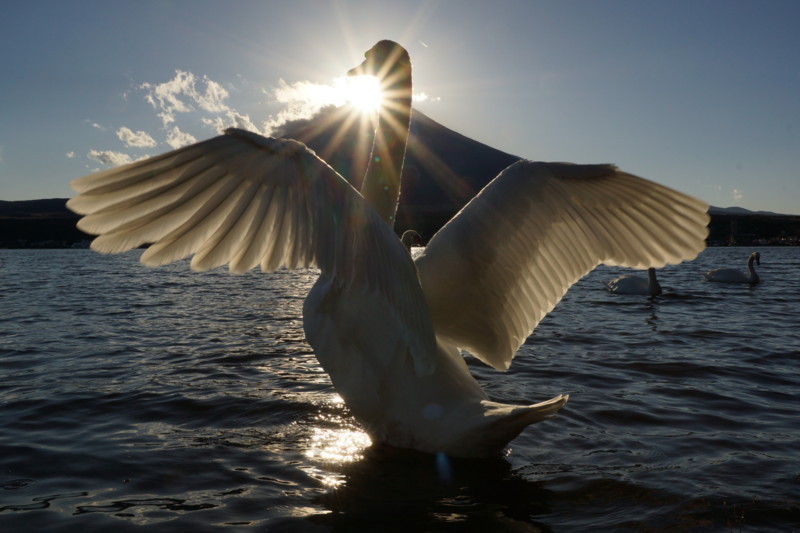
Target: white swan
x=630, y=284
x=732, y=275
x=386, y=329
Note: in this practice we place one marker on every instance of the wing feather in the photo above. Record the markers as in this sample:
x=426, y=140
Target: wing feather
x=197, y=229
x=222, y=246
x=499, y=266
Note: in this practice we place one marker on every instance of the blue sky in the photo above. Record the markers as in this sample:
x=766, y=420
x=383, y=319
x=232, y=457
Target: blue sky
x=699, y=95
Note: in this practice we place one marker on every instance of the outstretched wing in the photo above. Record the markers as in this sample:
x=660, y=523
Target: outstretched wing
x=499, y=266
x=245, y=200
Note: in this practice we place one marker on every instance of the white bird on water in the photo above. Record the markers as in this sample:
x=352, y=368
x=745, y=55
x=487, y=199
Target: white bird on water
x=630, y=284
x=732, y=275
x=389, y=330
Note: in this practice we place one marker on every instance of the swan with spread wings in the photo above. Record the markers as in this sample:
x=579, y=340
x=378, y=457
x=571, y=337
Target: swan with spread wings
x=389, y=330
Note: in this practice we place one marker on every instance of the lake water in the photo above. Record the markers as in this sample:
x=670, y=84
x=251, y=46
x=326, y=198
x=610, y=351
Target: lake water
x=167, y=400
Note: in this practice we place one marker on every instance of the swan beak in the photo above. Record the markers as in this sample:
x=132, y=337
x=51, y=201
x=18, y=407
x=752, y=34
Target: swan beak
x=361, y=70
x=374, y=58
x=367, y=67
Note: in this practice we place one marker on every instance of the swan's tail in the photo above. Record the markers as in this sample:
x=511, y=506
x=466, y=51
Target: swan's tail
x=505, y=421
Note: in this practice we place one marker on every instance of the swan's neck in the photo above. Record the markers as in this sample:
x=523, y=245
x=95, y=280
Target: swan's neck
x=653, y=285
x=381, y=184
x=751, y=268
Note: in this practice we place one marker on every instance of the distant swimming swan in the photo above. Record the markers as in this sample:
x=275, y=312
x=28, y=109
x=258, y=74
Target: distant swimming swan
x=732, y=275
x=630, y=284
x=388, y=330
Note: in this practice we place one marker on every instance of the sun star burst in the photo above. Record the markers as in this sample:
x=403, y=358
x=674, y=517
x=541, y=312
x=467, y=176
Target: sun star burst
x=363, y=93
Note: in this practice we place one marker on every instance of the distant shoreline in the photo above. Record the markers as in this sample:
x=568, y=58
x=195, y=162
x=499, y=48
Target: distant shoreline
x=43, y=224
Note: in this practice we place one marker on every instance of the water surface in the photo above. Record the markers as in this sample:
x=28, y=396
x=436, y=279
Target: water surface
x=136, y=398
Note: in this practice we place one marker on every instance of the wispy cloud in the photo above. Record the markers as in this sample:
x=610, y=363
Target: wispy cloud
x=302, y=100
x=423, y=97
x=139, y=139
x=231, y=119
x=737, y=194
x=70, y=155
x=109, y=158
x=182, y=93
x=177, y=138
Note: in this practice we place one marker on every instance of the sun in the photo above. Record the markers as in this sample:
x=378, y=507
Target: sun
x=304, y=99
x=363, y=93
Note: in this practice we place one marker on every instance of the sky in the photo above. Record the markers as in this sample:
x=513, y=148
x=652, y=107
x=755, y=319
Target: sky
x=700, y=95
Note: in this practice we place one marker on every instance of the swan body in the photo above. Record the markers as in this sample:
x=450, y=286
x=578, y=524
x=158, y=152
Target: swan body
x=629, y=284
x=389, y=330
x=732, y=275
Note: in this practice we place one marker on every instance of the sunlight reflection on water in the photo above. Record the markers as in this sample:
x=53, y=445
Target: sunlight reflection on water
x=337, y=445
x=335, y=440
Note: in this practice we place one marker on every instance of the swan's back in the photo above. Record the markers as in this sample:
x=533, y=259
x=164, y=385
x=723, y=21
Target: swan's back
x=727, y=275
x=629, y=284
x=733, y=275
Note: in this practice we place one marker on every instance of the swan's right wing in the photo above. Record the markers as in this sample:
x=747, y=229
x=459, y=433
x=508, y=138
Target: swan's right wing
x=246, y=200
x=493, y=272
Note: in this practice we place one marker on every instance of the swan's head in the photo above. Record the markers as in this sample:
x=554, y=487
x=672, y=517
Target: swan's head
x=756, y=256
x=387, y=61
x=411, y=238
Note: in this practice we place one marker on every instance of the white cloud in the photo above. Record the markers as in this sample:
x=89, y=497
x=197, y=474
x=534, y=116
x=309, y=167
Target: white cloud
x=232, y=119
x=737, y=194
x=107, y=157
x=423, y=97
x=304, y=99
x=181, y=94
x=139, y=139
x=165, y=97
x=70, y=155
x=187, y=93
x=177, y=138
x=213, y=98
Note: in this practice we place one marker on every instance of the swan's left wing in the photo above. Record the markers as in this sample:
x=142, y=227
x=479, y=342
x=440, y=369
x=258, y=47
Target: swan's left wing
x=499, y=266
x=246, y=200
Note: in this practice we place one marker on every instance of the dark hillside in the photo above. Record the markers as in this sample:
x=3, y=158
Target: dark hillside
x=38, y=224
